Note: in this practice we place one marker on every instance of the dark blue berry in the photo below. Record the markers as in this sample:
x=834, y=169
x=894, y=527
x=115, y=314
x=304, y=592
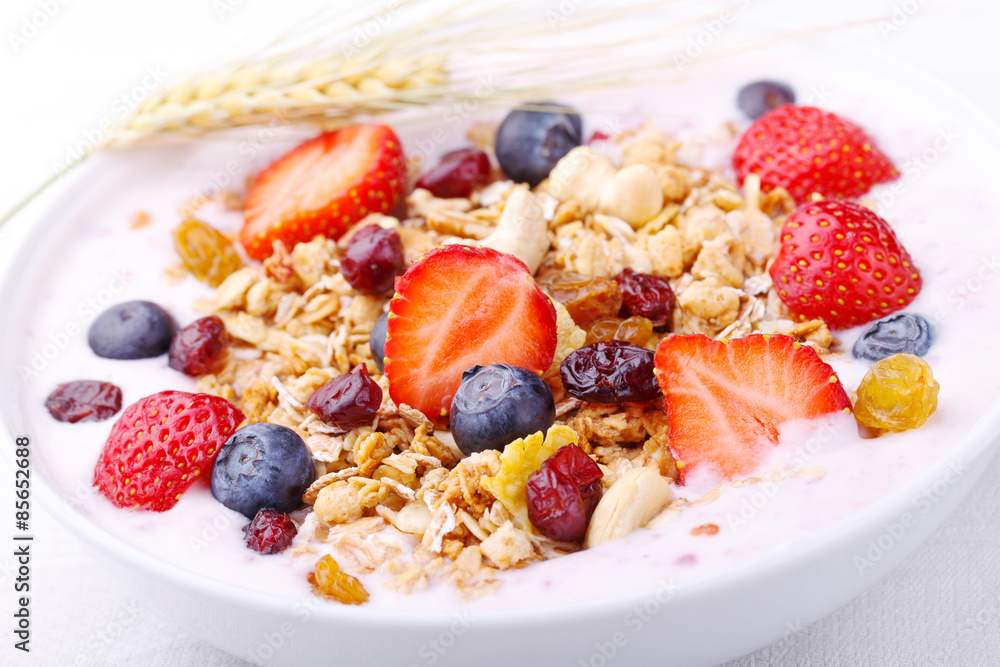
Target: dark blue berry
x=757, y=98
x=899, y=333
x=132, y=330
x=529, y=143
x=262, y=466
x=377, y=340
x=498, y=404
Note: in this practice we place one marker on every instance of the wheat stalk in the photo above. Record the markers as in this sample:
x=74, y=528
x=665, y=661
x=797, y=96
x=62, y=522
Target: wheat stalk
x=327, y=80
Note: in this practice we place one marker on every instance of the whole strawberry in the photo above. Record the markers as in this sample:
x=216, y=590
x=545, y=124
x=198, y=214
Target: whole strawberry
x=841, y=262
x=160, y=445
x=807, y=150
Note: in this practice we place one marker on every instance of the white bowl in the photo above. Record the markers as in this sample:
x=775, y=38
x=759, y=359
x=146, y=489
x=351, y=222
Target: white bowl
x=701, y=622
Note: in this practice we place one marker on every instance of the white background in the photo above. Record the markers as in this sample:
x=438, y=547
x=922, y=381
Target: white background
x=942, y=607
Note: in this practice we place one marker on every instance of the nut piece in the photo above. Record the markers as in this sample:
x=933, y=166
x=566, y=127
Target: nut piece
x=413, y=518
x=629, y=504
x=580, y=175
x=634, y=195
x=521, y=230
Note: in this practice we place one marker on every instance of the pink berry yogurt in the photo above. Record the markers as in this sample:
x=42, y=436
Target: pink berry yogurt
x=942, y=208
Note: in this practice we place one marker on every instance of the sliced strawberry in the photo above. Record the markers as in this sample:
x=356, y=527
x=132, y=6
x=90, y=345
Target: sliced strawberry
x=457, y=307
x=160, y=445
x=726, y=400
x=806, y=150
x=842, y=262
x=324, y=186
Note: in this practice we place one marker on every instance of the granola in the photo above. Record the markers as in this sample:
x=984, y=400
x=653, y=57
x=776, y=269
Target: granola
x=398, y=497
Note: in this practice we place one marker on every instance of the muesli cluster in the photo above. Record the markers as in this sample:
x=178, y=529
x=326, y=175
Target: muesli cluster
x=516, y=361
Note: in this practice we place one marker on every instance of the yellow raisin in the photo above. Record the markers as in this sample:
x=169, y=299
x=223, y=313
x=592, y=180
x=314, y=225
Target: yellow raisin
x=898, y=393
x=636, y=330
x=586, y=298
x=205, y=251
x=329, y=581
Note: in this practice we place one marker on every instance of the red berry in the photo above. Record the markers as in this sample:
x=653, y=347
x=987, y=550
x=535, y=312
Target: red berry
x=841, y=262
x=324, y=186
x=160, y=445
x=457, y=174
x=270, y=532
x=609, y=372
x=84, y=400
x=200, y=347
x=648, y=296
x=572, y=462
x=460, y=307
x=725, y=401
x=347, y=401
x=373, y=259
x=563, y=493
x=806, y=150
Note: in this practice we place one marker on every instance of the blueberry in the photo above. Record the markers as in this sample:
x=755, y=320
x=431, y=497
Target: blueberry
x=757, y=98
x=902, y=332
x=498, y=404
x=262, y=466
x=529, y=143
x=377, y=340
x=132, y=330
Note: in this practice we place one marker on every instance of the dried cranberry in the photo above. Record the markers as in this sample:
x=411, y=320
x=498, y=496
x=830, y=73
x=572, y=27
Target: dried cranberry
x=372, y=260
x=348, y=400
x=610, y=372
x=457, y=174
x=200, y=347
x=84, y=401
x=572, y=462
x=270, y=532
x=647, y=296
x=563, y=493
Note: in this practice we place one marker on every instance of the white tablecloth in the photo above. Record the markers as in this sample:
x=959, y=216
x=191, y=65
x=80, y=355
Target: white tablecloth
x=65, y=66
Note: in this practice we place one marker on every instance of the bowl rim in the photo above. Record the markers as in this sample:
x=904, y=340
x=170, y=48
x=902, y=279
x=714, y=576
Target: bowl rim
x=978, y=441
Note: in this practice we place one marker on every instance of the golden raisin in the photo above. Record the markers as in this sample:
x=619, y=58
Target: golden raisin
x=636, y=330
x=586, y=298
x=205, y=251
x=898, y=393
x=331, y=582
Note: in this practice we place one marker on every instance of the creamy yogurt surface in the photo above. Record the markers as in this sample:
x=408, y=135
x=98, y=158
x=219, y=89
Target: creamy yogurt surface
x=942, y=209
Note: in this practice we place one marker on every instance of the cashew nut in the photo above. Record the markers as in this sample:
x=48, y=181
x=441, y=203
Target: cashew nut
x=629, y=504
x=521, y=230
x=633, y=194
x=580, y=175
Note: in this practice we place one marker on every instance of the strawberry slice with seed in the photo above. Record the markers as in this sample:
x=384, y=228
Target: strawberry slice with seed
x=805, y=150
x=160, y=445
x=457, y=307
x=324, y=186
x=725, y=400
